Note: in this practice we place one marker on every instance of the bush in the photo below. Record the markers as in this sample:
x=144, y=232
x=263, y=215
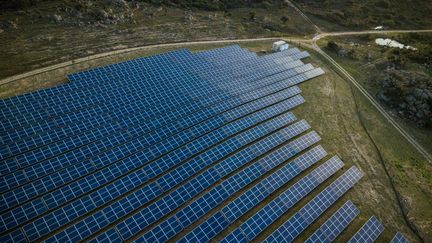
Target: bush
x=18, y=4
x=216, y=5
x=331, y=45
x=382, y=4
x=252, y=15
x=284, y=19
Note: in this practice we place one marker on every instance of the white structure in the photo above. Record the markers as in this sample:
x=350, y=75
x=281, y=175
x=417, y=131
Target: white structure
x=280, y=46
x=393, y=43
x=379, y=28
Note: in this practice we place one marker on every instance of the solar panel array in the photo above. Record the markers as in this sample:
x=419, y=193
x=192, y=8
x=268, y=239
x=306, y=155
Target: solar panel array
x=399, y=238
x=338, y=222
x=179, y=145
x=369, y=232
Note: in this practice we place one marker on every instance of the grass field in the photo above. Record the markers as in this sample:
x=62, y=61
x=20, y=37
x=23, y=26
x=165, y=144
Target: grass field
x=396, y=178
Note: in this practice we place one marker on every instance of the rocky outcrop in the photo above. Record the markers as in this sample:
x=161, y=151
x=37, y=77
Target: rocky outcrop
x=409, y=94
x=8, y=24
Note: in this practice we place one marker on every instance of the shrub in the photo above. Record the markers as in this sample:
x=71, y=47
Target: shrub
x=284, y=19
x=331, y=45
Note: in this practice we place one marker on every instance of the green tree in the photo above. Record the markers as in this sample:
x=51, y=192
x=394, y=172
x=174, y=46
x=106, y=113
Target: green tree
x=284, y=19
x=252, y=16
x=331, y=45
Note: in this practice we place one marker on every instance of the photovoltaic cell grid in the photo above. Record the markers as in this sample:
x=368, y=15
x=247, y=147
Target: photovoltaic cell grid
x=142, y=149
x=369, y=232
x=289, y=230
x=399, y=238
x=335, y=224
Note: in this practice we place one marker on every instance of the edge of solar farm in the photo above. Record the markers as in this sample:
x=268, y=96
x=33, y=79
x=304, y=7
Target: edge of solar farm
x=178, y=143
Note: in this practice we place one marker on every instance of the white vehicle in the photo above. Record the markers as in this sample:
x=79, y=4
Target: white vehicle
x=379, y=28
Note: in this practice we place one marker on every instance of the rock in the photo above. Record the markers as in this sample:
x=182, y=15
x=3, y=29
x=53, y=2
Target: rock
x=383, y=97
x=410, y=99
x=8, y=24
x=342, y=53
x=412, y=109
x=188, y=17
x=100, y=14
x=420, y=114
x=57, y=18
x=387, y=82
x=118, y=3
x=421, y=123
x=1, y=31
x=418, y=93
x=424, y=107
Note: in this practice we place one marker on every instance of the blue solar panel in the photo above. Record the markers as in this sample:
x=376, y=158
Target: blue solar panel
x=104, y=159
x=23, y=133
x=188, y=58
x=251, y=198
x=139, y=139
x=183, y=172
x=399, y=238
x=112, y=140
x=204, y=204
x=289, y=230
x=337, y=223
x=273, y=210
x=369, y=232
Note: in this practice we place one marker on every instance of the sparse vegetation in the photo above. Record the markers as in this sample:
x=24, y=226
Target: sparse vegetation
x=354, y=129
x=52, y=32
x=284, y=19
x=399, y=77
x=335, y=15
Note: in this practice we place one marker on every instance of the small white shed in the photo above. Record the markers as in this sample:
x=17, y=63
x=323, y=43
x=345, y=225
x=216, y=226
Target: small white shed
x=280, y=46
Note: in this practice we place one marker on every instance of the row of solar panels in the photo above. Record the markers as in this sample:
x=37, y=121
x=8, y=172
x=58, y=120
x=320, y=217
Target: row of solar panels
x=30, y=191
x=144, y=149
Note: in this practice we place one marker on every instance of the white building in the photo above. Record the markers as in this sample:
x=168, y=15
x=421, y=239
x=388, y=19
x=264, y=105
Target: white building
x=280, y=46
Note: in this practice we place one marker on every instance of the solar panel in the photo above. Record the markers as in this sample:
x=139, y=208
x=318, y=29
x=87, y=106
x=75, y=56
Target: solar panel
x=122, y=150
x=255, y=195
x=148, y=140
x=205, y=203
x=369, y=232
x=289, y=230
x=22, y=132
x=337, y=223
x=148, y=215
x=125, y=67
x=399, y=238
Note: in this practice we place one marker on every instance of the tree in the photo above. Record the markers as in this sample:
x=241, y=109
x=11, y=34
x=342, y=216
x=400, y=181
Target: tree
x=284, y=19
x=331, y=45
x=252, y=16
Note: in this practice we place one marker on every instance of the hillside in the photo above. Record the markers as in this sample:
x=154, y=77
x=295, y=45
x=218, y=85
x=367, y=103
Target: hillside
x=35, y=34
x=336, y=15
